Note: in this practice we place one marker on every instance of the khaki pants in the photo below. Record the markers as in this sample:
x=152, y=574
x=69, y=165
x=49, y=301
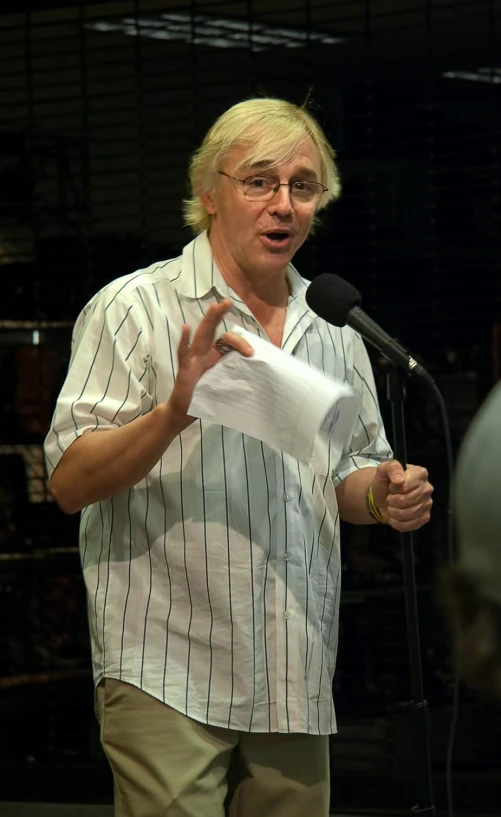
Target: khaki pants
x=167, y=765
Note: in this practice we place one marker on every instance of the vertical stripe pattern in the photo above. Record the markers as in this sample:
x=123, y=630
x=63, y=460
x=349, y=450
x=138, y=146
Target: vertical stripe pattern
x=214, y=583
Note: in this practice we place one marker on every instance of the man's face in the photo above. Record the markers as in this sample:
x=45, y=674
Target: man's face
x=262, y=235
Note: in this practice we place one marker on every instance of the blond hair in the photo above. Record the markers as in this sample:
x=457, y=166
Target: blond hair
x=273, y=130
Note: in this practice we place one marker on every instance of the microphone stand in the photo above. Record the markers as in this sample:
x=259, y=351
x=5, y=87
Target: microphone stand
x=395, y=392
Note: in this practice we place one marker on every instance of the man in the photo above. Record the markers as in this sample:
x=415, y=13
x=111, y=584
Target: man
x=211, y=561
x=472, y=588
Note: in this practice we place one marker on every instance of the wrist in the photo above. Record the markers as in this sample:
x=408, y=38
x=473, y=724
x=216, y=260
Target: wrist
x=174, y=419
x=373, y=509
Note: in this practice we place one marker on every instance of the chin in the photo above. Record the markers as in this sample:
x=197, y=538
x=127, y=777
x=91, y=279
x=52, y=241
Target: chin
x=276, y=264
x=277, y=260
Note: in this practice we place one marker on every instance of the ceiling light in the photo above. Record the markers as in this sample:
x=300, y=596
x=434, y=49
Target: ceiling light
x=488, y=75
x=215, y=32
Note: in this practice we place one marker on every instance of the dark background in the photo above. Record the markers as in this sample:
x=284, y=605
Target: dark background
x=100, y=107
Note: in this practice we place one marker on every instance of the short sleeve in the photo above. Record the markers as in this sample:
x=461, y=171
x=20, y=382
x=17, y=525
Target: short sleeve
x=107, y=381
x=368, y=446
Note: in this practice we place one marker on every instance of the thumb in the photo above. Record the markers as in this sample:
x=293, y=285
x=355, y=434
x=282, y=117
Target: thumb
x=394, y=472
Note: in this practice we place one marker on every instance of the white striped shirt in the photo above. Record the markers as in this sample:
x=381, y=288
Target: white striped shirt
x=213, y=584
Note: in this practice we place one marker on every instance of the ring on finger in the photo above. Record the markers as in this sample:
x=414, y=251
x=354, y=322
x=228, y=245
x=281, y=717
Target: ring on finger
x=222, y=347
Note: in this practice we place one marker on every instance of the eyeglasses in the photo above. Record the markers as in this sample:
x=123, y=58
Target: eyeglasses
x=265, y=187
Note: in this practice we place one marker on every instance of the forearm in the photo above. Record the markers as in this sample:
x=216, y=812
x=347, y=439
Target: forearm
x=100, y=464
x=351, y=496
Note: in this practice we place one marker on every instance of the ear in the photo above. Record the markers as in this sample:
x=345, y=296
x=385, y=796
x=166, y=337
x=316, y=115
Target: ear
x=209, y=203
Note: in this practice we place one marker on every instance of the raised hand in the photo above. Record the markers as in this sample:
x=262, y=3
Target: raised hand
x=200, y=355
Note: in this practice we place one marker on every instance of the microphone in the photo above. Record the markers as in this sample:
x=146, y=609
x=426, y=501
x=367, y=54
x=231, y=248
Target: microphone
x=338, y=303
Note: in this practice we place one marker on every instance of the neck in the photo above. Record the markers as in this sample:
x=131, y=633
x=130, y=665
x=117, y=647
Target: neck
x=253, y=286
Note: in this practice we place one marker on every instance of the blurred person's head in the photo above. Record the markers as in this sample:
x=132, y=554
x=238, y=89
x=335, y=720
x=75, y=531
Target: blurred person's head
x=471, y=589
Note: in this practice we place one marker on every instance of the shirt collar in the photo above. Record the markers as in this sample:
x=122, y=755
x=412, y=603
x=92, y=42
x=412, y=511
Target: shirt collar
x=199, y=274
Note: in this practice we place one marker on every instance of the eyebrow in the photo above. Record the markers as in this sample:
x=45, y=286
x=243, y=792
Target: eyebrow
x=300, y=173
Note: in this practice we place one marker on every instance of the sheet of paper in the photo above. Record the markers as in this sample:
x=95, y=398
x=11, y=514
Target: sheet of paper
x=275, y=398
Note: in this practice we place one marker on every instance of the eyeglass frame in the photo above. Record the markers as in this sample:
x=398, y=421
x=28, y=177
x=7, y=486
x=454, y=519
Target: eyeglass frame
x=277, y=186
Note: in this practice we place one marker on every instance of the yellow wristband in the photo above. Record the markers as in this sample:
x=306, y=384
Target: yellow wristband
x=373, y=509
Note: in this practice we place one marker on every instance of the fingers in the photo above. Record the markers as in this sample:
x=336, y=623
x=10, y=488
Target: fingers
x=411, y=525
x=409, y=510
x=183, y=349
x=232, y=341
x=408, y=500
x=206, y=332
x=415, y=475
x=411, y=513
x=204, y=347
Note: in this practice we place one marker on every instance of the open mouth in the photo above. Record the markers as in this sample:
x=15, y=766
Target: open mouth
x=277, y=236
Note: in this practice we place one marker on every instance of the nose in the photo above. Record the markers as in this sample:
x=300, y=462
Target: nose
x=281, y=202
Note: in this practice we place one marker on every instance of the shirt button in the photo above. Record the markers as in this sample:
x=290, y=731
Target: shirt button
x=286, y=556
x=287, y=615
x=286, y=496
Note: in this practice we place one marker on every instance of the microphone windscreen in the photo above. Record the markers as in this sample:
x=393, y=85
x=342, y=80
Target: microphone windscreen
x=332, y=298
